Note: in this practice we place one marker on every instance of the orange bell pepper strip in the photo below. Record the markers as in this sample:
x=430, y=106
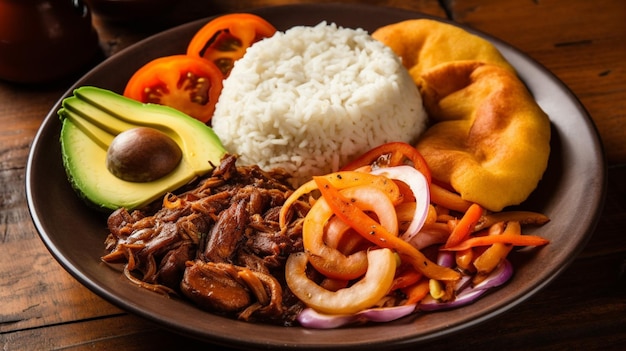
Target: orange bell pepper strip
x=465, y=226
x=349, y=212
x=448, y=199
x=342, y=180
x=330, y=261
x=497, y=252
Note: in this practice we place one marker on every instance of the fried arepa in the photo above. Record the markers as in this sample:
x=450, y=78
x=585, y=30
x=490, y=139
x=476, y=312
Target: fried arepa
x=423, y=44
x=488, y=138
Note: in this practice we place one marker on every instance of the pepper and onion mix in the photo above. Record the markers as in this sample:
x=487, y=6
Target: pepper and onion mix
x=381, y=235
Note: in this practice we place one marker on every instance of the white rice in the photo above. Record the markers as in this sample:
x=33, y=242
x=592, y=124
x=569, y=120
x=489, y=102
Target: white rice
x=313, y=98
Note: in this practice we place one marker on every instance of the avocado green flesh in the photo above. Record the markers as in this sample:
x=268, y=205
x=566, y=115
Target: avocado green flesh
x=93, y=117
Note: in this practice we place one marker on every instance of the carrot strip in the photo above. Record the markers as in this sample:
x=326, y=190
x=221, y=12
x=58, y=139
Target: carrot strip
x=511, y=239
x=417, y=292
x=347, y=210
x=465, y=226
x=464, y=259
x=408, y=277
x=497, y=252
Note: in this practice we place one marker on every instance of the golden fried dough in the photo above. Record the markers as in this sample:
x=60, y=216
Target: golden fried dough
x=423, y=44
x=488, y=138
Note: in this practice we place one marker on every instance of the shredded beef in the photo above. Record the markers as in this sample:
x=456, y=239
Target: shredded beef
x=217, y=243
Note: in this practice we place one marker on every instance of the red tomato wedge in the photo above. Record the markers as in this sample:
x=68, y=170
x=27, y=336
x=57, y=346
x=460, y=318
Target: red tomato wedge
x=188, y=84
x=225, y=39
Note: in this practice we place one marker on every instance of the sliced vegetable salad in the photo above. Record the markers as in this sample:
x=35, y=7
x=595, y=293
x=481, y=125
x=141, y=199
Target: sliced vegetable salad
x=382, y=241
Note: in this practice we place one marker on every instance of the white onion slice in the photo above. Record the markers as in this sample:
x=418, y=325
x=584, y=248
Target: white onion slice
x=310, y=318
x=419, y=186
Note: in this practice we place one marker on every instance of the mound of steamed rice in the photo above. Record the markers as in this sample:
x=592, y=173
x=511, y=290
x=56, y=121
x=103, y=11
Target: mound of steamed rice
x=313, y=98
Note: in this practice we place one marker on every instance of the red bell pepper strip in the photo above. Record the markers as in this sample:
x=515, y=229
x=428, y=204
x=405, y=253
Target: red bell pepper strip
x=396, y=152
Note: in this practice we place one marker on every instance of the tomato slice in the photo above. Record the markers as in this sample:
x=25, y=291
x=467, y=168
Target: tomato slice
x=188, y=84
x=225, y=39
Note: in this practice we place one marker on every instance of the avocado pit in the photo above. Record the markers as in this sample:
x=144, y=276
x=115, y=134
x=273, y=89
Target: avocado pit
x=142, y=154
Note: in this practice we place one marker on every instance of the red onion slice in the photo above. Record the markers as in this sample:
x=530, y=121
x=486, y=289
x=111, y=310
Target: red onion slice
x=499, y=276
x=464, y=298
x=427, y=238
x=468, y=295
x=446, y=258
x=419, y=186
x=310, y=318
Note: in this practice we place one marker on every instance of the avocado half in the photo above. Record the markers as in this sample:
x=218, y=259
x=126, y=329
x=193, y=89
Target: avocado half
x=92, y=117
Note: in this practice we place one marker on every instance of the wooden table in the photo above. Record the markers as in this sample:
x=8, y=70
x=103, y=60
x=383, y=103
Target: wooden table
x=582, y=42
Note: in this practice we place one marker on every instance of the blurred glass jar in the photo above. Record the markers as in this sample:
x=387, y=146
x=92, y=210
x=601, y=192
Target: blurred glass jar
x=151, y=14
x=45, y=40
x=132, y=10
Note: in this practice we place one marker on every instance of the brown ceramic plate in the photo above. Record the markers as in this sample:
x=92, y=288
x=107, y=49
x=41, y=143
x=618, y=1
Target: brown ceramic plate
x=571, y=194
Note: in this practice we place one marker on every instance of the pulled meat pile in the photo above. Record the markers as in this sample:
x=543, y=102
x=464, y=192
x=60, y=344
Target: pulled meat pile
x=218, y=244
